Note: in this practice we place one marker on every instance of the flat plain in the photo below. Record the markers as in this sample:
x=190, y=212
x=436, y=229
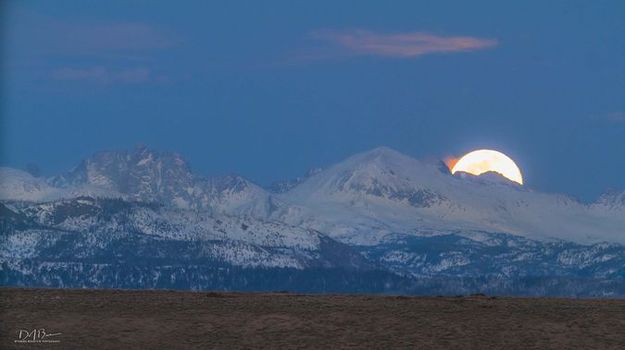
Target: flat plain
x=125, y=319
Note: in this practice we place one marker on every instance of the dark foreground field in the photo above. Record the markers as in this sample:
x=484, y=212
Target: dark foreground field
x=90, y=319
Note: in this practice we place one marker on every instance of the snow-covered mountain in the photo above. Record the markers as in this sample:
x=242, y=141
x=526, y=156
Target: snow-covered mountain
x=377, y=221
x=374, y=194
x=143, y=175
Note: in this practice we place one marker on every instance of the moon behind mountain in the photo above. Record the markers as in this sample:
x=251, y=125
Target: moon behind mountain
x=484, y=160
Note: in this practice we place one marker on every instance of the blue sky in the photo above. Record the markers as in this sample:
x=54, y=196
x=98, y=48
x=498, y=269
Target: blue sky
x=270, y=89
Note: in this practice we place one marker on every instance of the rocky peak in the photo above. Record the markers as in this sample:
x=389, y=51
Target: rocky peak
x=614, y=200
x=142, y=174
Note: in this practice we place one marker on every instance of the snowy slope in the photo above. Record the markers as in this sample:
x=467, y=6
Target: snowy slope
x=22, y=186
x=89, y=228
x=611, y=202
x=370, y=195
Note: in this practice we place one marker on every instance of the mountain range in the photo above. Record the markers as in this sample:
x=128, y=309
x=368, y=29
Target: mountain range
x=379, y=221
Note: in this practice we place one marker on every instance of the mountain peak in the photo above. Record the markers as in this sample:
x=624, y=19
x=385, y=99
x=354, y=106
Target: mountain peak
x=143, y=155
x=382, y=153
x=152, y=176
x=612, y=199
x=141, y=173
x=376, y=176
x=382, y=162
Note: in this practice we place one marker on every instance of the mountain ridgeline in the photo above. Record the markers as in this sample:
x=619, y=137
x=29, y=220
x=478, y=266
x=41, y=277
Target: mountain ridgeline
x=377, y=222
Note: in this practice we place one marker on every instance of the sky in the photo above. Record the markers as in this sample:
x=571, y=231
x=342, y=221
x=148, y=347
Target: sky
x=269, y=89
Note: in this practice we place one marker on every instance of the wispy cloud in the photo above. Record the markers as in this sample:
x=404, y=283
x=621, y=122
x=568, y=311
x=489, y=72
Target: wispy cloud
x=108, y=38
x=615, y=117
x=610, y=119
x=102, y=75
x=53, y=36
x=99, y=51
x=399, y=45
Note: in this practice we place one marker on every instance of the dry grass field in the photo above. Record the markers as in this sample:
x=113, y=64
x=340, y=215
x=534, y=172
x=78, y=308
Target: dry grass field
x=120, y=319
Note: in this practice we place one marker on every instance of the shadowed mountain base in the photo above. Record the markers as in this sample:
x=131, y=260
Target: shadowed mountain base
x=167, y=319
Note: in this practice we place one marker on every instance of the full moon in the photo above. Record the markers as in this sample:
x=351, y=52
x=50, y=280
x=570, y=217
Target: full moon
x=484, y=160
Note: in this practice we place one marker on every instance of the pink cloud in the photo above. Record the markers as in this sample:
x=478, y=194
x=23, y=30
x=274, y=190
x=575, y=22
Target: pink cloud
x=401, y=45
x=102, y=75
